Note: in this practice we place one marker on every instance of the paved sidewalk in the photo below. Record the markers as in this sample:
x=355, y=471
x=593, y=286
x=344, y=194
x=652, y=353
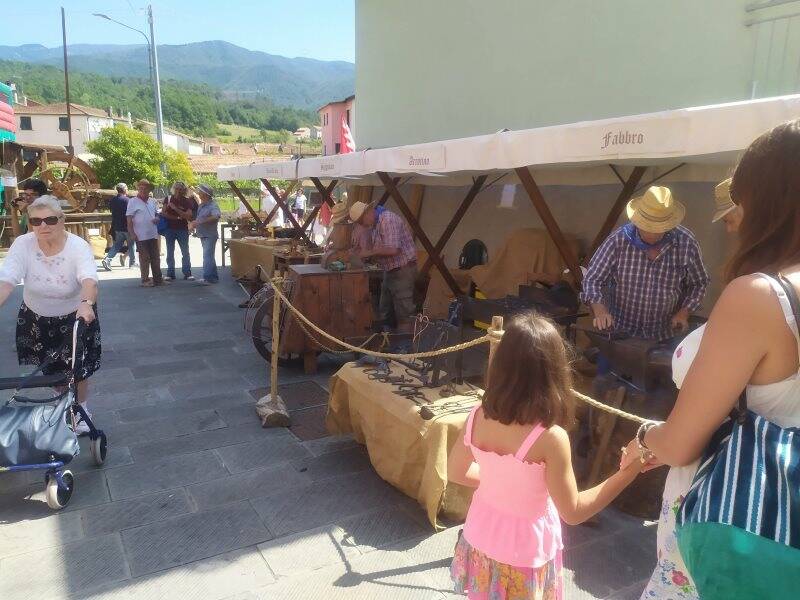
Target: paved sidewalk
x=197, y=501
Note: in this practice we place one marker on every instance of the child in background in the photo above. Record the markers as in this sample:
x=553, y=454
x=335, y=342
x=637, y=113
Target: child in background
x=515, y=450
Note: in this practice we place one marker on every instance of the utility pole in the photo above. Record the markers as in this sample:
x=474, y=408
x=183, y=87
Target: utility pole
x=70, y=147
x=156, y=82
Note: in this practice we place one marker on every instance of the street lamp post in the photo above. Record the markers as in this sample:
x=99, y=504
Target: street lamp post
x=152, y=59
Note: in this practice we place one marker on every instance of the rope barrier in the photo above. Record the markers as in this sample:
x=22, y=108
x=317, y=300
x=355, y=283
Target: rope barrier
x=609, y=409
x=387, y=355
x=458, y=347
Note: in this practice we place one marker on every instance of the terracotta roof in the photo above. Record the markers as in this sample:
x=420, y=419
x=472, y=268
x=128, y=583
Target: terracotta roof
x=350, y=97
x=60, y=108
x=208, y=163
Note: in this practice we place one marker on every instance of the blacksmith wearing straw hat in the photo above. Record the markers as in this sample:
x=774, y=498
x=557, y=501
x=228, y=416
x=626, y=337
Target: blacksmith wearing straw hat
x=648, y=275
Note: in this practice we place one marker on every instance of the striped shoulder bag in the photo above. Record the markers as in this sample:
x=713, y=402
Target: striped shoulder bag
x=738, y=528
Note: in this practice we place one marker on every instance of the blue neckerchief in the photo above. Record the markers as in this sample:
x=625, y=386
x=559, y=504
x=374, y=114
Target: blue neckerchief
x=632, y=235
x=379, y=210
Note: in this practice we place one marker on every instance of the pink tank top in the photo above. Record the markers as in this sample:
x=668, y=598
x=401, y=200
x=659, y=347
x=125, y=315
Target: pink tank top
x=512, y=518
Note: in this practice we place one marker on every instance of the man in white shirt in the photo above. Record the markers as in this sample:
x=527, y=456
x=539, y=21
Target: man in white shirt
x=268, y=204
x=142, y=219
x=300, y=205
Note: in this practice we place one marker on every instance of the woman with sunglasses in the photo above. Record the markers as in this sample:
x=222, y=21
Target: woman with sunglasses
x=60, y=285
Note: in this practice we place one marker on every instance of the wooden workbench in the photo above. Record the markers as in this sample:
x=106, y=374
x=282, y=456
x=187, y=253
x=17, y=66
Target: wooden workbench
x=338, y=302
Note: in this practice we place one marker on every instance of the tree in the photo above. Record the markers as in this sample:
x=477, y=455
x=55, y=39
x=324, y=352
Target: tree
x=125, y=154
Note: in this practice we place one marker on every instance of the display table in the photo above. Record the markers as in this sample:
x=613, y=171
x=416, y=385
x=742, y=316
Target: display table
x=246, y=254
x=406, y=450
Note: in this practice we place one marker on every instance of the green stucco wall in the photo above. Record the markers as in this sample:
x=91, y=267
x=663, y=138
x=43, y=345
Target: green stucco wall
x=438, y=69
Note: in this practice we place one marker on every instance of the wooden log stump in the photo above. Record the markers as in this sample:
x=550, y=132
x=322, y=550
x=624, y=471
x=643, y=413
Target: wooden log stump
x=273, y=412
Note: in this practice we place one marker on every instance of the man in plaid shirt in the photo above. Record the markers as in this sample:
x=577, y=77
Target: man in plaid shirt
x=647, y=276
x=393, y=250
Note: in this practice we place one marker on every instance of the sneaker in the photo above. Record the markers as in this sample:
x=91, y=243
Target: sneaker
x=203, y=282
x=147, y=283
x=106, y=264
x=189, y=277
x=133, y=265
x=169, y=278
x=121, y=260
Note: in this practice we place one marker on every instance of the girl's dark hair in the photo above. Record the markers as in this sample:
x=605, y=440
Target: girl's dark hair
x=530, y=378
x=766, y=184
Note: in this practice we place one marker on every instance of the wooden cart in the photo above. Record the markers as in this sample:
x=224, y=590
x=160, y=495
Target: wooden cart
x=337, y=302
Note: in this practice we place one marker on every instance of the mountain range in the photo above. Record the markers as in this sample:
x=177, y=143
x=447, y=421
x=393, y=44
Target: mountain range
x=298, y=82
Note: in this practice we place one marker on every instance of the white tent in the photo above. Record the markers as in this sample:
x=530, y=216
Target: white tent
x=706, y=139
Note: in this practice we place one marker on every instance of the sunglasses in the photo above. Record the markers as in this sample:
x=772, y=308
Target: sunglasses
x=37, y=221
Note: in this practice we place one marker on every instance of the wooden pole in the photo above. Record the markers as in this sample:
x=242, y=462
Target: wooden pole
x=11, y=159
x=271, y=409
x=70, y=147
x=415, y=202
x=550, y=223
x=451, y=226
x=276, y=334
x=244, y=200
x=495, y=333
x=391, y=187
x=613, y=214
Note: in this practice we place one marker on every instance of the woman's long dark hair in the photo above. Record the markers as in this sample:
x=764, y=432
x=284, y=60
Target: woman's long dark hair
x=766, y=184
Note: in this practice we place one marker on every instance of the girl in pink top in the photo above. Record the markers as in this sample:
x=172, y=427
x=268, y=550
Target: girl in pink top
x=515, y=450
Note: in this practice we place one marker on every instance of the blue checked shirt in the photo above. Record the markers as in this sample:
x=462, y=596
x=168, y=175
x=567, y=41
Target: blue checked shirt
x=642, y=294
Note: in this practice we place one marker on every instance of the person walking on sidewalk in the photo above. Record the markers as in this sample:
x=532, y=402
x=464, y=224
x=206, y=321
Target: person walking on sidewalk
x=142, y=219
x=205, y=227
x=119, y=230
x=179, y=210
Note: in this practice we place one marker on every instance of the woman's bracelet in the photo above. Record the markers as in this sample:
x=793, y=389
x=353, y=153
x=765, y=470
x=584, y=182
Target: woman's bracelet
x=645, y=453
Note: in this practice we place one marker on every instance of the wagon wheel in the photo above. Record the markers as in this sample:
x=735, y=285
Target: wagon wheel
x=259, y=326
x=66, y=175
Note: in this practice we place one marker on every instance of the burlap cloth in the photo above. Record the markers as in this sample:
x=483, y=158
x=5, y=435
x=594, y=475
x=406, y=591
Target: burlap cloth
x=247, y=254
x=525, y=254
x=406, y=450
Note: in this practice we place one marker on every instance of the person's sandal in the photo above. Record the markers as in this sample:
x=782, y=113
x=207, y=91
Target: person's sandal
x=148, y=283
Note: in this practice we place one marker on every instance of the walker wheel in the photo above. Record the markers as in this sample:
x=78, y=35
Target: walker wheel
x=99, y=448
x=58, y=498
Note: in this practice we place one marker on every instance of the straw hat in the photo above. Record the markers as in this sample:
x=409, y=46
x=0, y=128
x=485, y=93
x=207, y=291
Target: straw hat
x=339, y=212
x=146, y=184
x=357, y=210
x=656, y=211
x=723, y=200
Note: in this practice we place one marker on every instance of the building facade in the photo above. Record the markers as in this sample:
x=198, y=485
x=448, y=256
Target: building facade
x=428, y=70
x=47, y=124
x=331, y=123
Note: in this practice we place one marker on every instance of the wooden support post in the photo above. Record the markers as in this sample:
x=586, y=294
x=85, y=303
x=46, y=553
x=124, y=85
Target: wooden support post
x=391, y=187
x=607, y=428
x=386, y=192
x=244, y=201
x=538, y=201
x=271, y=408
x=495, y=333
x=12, y=159
x=415, y=202
x=325, y=192
x=451, y=226
x=613, y=214
x=281, y=200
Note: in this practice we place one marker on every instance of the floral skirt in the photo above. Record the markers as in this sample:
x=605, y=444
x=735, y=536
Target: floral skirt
x=39, y=338
x=482, y=578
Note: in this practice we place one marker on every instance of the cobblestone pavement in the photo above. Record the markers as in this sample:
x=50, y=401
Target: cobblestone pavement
x=197, y=501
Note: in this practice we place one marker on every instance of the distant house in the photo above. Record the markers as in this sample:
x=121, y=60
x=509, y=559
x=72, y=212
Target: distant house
x=331, y=122
x=303, y=133
x=316, y=132
x=47, y=124
x=174, y=139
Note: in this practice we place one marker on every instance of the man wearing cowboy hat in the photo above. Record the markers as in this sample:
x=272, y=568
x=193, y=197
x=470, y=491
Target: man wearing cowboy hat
x=394, y=251
x=648, y=275
x=727, y=210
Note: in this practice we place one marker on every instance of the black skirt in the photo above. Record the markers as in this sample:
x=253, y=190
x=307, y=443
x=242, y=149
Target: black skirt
x=39, y=338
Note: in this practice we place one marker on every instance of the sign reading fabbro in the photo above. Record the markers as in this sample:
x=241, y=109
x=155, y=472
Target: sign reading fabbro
x=667, y=136
x=426, y=157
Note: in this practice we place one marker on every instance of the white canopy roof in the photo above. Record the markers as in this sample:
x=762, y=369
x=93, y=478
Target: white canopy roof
x=708, y=139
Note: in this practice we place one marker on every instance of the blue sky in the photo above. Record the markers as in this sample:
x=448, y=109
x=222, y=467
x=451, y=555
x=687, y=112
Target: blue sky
x=322, y=29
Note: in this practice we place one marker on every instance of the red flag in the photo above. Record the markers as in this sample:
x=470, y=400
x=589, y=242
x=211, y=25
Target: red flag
x=347, y=143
